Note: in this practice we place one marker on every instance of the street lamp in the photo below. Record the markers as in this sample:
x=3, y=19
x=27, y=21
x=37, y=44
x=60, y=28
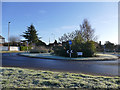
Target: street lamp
x=8, y=35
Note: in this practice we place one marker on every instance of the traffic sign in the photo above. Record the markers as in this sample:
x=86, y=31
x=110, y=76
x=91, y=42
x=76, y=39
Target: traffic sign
x=70, y=42
x=79, y=53
x=71, y=51
x=67, y=51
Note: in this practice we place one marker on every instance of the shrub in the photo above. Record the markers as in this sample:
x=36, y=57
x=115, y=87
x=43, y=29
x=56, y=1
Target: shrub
x=24, y=48
x=60, y=51
x=50, y=51
x=41, y=49
x=88, y=49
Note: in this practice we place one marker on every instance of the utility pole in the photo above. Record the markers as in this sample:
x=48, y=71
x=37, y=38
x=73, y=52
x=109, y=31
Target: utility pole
x=8, y=35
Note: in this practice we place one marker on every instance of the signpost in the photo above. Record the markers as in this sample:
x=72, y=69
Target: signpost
x=70, y=42
x=67, y=51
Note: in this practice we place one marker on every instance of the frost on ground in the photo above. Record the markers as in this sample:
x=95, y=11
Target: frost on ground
x=28, y=78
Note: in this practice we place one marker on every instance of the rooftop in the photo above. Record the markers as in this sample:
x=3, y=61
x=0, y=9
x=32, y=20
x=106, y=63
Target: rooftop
x=1, y=37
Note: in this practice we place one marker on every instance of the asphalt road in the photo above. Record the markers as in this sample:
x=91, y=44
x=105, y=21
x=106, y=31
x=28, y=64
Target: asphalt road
x=107, y=68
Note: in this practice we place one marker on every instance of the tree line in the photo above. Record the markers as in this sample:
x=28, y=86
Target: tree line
x=83, y=40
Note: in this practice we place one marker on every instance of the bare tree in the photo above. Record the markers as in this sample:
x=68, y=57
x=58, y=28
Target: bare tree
x=67, y=37
x=86, y=33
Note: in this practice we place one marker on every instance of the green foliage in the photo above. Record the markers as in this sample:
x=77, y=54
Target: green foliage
x=82, y=41
x=31, y=35
x=60, y=51
x=88, y=49
x=24, y=48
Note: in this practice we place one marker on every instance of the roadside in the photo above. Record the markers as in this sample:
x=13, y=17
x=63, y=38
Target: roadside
x=50, y=56
x=12, y=51
x=29, y=78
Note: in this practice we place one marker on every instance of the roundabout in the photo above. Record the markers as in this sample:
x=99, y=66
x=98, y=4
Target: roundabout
x=93, y=67
x=99, y=57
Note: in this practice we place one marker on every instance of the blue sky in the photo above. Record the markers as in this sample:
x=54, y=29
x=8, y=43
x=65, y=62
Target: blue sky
x=56, y=18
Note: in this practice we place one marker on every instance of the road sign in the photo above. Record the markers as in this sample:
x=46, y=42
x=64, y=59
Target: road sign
x=79, y=53
x=67, y=51
x=71, y=51
x=70, y=42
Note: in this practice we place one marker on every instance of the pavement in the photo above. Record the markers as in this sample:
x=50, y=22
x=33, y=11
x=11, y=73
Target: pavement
x=49, y=56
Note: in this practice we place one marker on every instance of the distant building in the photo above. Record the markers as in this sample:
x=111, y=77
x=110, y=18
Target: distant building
x=4, y=46
x=2, y=40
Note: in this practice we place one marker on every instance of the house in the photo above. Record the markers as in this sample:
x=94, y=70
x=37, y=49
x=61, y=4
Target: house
x=2, y=40
x=4, y=46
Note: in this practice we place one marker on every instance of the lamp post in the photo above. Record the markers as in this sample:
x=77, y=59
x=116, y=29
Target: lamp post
x=8, y=35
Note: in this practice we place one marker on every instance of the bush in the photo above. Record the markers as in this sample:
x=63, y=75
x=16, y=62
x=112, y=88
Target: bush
x=88, y=49
x=50, y=51
x=41, y=49
x=60, y=51
x=24, y=48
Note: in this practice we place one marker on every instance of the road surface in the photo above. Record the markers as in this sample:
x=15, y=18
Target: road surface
x=107, y=68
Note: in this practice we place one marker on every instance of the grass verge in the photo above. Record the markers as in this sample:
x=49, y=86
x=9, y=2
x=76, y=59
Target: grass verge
x=11, y=51
x=28, y=78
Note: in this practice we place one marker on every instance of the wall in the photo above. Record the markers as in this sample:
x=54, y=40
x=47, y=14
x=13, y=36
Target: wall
x=12, y=48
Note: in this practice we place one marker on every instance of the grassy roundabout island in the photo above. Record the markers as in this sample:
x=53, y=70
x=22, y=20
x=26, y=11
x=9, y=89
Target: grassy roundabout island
x=28, y=78
x=50, y=56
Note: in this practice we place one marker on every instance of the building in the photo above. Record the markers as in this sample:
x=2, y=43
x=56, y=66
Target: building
x=4, y=46
x=2, y=40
